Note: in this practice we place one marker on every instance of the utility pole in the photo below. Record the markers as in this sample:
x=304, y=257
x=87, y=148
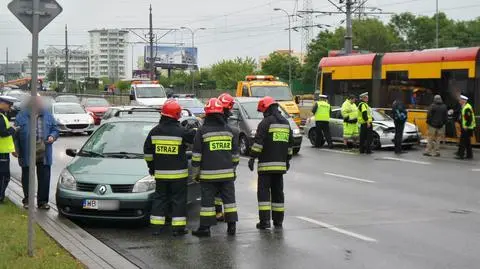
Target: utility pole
x=151, y=38
x=348, y=37
x=289, y=45
x=6, y=67
x=193, y=31
x=66, y=60
x=436, y=25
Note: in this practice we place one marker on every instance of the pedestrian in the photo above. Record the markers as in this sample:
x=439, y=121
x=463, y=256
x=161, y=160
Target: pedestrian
x=7, y=145
x=215, y=157
x=400, y=114
x=46, y=133
x=365, y=120
x=227, y=101
x=350, y=118
x=272, y=146
x=468, y=125
x=166, y=155
x=436, y=119
x=322, y=110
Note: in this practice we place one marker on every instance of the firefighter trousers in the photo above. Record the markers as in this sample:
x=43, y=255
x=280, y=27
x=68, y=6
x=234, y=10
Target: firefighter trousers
x=226, y=191
x=218, y=204
x=270, y=186
x=366, y=137
x=170, y=195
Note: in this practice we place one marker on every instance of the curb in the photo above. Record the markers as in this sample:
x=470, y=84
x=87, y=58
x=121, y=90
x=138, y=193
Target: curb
x=84, y=247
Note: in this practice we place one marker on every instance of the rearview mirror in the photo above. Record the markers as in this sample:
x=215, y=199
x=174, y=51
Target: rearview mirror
x=71, y=152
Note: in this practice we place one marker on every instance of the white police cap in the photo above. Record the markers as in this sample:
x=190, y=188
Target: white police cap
x=463, y=97
x=364, y=94
x=323, y=96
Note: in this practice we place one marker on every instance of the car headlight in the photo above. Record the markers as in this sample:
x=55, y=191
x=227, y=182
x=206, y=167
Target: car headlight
x=253, y=132
x=61, y=121
x=145, y=184
x=67, y=181
x=296, y=131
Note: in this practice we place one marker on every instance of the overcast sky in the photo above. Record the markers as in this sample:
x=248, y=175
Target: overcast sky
x=235, y=27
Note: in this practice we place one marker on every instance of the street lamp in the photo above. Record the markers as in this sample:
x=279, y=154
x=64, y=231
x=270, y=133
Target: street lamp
x=193, y=31
x=289, y=45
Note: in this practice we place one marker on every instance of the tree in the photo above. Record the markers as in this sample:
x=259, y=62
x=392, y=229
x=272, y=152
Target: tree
x=56, y=74
x=277, y=64
x=226, y=73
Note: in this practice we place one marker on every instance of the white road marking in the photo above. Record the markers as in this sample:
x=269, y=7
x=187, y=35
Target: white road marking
x=476, y=170
x=340, y=151
x=351, y=178
x=338, y=230
x=404, y=160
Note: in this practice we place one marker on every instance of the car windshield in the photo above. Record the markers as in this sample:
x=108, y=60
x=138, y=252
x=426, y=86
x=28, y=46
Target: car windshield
x=252, y=112
x=279, y=93
x=380, y=116
x=115, y=140
x=96, y=102
x=68, y=109
x=67, y=99
x=150, y=92
x=190, y=103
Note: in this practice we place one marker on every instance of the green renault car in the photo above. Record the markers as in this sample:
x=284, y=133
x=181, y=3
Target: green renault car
x=108, y=177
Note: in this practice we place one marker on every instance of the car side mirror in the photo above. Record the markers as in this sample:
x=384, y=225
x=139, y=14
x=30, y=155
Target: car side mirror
x=71, y=152
x=132, y=97
x=189, y=155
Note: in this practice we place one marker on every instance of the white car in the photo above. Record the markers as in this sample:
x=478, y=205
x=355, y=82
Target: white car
x=72, y=118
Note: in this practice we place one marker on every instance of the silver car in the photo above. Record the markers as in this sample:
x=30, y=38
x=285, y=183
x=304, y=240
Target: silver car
x=383, y=130
x=72, y=118
x=246, y=118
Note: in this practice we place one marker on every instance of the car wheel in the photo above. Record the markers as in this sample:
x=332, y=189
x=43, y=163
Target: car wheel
x=296, y=151
x=376, y=141
x=312, y=136
x=244, y=145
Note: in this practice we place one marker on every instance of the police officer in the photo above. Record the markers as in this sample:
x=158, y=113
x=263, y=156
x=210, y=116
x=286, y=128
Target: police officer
x=215, y=157
x=365, y=120
x=227, y=101
x=322, y=111
x=468, y=125
x=165, y=154
x=350, y=118
x=6, y=144
x=273, y=147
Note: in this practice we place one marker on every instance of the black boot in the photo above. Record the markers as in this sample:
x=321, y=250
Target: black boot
x=232, y=228
x=262, y=225
x=156, y=230
x=179, y=232
x=278, y=225
x=202, y=231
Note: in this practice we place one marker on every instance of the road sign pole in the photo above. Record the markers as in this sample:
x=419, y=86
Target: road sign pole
x=32, y=131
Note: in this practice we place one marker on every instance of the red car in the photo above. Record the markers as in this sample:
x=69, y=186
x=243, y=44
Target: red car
x=96, y=107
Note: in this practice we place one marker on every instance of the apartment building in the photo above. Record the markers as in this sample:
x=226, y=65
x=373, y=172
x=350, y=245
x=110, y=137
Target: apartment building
x=108, y=53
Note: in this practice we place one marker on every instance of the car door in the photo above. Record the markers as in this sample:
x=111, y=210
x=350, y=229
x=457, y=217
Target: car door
x=336, y=125
x=234, y=120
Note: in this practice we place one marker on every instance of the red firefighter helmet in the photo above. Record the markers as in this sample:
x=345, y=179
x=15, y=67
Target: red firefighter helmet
x=226, y=100
x=265, y=103
x=172, y=109
x=213, y=106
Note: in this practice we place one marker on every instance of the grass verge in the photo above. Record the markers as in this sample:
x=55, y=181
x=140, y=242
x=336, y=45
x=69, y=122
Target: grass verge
x=13, y=244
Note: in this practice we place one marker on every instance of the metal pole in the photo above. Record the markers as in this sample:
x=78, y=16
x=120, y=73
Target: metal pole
x=290, y=52
x=193, y=64
x=66, y=60
x=6, y=68
x=56, y=76
x=436, y=25
x=32, y=131
x=152, y=60
x=348, y=36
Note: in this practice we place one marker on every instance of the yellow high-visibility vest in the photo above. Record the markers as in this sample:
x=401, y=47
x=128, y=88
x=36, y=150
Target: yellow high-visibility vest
x=6, y=143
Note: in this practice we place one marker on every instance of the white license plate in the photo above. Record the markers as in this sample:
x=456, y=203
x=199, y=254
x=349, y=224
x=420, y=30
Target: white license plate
x=90, y=204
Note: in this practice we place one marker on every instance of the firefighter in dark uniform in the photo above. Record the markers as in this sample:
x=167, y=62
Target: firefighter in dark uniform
x=321, y=111
x=7, y=145
x=165, y=154
x=365, y=120
x=468, y=126
x=214, y=160
x=227, y=101
x=273, y=147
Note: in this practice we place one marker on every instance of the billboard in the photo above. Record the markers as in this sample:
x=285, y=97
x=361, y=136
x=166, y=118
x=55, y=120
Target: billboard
x=168, y=57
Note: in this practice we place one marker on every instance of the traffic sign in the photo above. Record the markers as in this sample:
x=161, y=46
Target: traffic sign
x=23, y=10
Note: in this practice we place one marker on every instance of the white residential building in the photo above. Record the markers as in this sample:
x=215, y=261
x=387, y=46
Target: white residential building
x=52, y=57
x=108, y=53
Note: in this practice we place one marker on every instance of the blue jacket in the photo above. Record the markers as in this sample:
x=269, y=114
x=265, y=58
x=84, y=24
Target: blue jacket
x=22, y=136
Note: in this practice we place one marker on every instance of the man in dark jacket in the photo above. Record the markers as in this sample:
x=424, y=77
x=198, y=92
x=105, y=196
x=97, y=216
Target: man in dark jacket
x=436, y=120
x=399, y=118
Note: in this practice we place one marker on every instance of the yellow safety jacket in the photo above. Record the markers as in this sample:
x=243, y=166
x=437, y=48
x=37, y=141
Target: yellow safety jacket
x=323, y=111
x=6, y=143
x=472, y=126
x=362, y=107
x=349, y=110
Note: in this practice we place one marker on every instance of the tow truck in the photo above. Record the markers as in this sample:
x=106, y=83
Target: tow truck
x=147, y=93
x=261, y=86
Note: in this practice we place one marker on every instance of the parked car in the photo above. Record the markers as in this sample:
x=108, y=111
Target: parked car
x=108, y=178
x=67, y=99
x=96, y=106
x=192, y=104
x=72, y=118
x=246, y=118
x=383, y=130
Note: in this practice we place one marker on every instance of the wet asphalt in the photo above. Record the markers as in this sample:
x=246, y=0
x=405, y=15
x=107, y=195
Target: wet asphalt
x=343, y=210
